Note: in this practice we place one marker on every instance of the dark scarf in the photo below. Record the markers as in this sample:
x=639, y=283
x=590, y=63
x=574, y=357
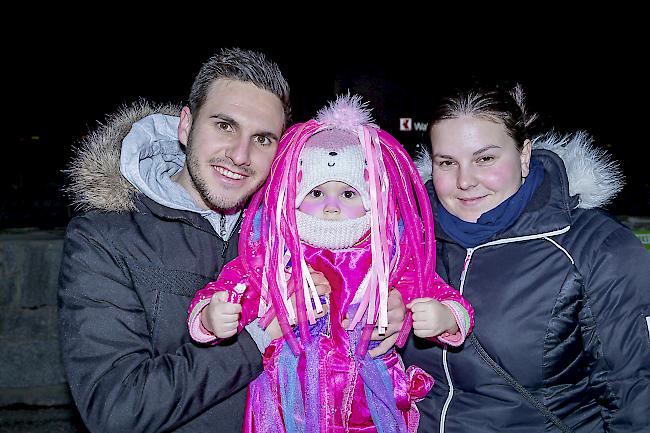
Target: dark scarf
x=494, y=221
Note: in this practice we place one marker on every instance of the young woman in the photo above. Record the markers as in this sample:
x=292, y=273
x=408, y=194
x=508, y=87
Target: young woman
x=561, y=289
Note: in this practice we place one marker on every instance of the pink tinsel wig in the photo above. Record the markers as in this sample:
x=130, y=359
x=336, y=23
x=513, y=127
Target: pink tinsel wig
x=401, y=226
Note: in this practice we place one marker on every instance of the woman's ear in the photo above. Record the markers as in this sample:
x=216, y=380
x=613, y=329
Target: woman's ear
x=524, y=155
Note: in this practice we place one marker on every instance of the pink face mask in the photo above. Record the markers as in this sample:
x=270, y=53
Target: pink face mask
x=333, y=200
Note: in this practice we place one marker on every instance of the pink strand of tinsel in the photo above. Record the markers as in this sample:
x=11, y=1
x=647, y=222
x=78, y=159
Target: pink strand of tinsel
x=372, y=152
x=418, y=232
x=285, y=167
x=407, y=211
x=384, y=221
x=293, y=244
x=277, y=233
x=411, y=231
x=426, y=226
x=426, y=214
x=246, y=245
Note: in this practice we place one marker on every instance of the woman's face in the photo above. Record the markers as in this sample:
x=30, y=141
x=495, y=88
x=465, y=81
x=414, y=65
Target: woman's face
x=476, y=165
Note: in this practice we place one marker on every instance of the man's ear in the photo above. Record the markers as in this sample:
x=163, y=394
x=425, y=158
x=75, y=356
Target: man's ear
x=184, y=126
x=525, y=158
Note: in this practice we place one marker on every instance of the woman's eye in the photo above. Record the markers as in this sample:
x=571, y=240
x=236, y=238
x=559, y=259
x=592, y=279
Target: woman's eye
x=485, y=159
x=445, y=163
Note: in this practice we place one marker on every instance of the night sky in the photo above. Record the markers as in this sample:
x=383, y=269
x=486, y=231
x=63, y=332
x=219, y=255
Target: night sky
x=60, y=86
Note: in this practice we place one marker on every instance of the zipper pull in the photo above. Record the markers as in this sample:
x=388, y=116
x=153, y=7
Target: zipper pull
x=222, y=233
x=463, y=274
x=222, y=227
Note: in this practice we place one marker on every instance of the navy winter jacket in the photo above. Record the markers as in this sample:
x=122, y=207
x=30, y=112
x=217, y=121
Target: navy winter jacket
x=562, y=303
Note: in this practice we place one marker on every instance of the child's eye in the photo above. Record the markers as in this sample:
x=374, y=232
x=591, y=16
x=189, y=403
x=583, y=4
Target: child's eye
x=316, y=193
x=349, y=194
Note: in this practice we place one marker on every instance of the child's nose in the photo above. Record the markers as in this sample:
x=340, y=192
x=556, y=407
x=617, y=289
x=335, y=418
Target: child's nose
x=332, y=206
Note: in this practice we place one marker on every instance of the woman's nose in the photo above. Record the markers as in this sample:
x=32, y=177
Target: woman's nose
x=466, y=178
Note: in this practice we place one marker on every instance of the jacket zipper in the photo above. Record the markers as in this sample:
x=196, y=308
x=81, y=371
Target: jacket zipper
x=463, y=275
x=222, y=232
x=445, y=407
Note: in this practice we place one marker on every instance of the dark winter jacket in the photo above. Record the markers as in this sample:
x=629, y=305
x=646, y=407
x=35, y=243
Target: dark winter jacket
x=130, y=268
x=562, y=302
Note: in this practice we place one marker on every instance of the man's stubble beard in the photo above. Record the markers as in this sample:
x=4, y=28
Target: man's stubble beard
x=213, y=200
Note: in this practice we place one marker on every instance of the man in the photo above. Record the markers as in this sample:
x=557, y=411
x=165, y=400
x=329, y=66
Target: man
x=160, y=224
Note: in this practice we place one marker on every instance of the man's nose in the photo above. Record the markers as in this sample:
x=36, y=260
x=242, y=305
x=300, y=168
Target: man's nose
x=238, y=151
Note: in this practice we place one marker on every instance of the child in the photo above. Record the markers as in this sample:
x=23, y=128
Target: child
x=343, y=198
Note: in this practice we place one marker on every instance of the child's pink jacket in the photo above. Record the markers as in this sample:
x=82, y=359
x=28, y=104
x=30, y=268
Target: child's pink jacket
x=341, y=393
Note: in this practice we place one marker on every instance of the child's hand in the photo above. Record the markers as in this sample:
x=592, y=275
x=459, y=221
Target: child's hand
x=221, y=317
x=431, y=318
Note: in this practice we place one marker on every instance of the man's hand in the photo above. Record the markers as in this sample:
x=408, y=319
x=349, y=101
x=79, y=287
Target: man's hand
x=396, y=313
x=322, y=288
x=221, y=317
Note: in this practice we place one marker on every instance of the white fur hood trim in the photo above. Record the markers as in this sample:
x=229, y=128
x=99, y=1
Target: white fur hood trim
x=591, y=172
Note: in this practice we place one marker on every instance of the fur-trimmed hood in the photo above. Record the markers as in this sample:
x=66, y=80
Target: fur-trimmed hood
x=96, y=182
x=593, y=176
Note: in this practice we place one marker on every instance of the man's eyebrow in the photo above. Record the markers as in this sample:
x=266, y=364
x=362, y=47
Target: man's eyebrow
x=225, y=118
x=269, y=134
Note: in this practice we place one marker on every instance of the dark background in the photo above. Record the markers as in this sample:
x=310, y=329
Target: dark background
x=60, y=85
x=64, y=69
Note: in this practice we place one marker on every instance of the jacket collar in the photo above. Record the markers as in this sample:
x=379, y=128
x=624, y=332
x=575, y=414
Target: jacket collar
x=549, y=208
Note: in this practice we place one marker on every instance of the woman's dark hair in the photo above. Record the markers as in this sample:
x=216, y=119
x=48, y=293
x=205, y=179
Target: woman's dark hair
x=496, y=105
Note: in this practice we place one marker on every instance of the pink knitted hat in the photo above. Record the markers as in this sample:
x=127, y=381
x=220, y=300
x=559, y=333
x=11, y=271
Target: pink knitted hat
x=401, y=223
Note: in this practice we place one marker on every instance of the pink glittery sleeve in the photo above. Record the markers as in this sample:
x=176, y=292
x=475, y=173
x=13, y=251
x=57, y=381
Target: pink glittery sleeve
x=234, y=280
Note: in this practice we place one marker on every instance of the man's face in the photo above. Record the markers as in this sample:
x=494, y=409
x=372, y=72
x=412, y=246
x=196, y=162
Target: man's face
x=231, y=143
